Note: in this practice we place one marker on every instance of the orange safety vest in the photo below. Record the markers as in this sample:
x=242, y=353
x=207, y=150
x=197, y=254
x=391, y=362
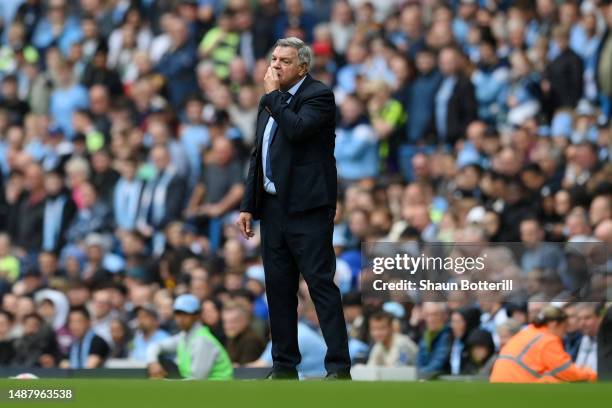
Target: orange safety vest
x=535, y=355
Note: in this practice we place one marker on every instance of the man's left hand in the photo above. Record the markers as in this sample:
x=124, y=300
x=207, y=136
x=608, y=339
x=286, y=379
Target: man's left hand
x=271, y=81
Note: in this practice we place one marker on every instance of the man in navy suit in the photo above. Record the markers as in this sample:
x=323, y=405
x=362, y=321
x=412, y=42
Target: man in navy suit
x=292, y=187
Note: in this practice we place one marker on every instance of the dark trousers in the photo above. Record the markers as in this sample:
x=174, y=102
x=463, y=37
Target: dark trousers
x=294, y=244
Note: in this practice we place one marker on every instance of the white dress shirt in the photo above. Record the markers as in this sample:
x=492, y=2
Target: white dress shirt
x=268, y=184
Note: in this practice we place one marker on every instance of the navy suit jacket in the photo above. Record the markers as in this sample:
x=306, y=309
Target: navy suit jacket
x=301, y=153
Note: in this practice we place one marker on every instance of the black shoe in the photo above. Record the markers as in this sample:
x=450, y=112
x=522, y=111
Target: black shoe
x=282, y=375
x=339, y=375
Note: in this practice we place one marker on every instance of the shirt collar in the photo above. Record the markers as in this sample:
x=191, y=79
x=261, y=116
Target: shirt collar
x=295, y=87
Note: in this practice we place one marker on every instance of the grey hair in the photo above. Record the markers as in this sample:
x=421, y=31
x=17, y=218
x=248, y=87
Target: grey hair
x=303, y=50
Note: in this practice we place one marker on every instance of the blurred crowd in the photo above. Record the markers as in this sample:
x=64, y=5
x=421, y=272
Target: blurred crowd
x=125, y=127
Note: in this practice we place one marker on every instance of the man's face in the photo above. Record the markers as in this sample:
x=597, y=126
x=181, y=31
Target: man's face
x=434, y=316
x=530, y=233
x=184, y=321
x=380, y=330
x=448, y=61
x=146, y=321
x=287, y=65
x=53, y=183
x=101, y=304
x=31, y=326
x=425, y=62
x=78, y=325
x=573, y=323
x=589, y=321
x=234, y=322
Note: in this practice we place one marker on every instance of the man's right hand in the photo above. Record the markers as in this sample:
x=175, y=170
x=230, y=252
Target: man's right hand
x=156, y=371
x=244, y=223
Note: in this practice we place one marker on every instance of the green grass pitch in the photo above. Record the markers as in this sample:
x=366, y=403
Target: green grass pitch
x=97, y=393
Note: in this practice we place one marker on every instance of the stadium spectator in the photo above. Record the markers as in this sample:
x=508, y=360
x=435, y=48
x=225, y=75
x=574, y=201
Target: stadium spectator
x=147, y=332
x=434, y=347
x=462, y=322
x=390, y=349
x=243, y=344
x=536, y=354
x=88, y=350
x=481, y=354
x=199, y=354
x=7, y=347
x=573, y=337
x=589, y=316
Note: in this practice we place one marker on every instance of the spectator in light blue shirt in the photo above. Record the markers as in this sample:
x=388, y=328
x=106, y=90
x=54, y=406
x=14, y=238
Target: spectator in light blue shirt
x=67, y=98
x=490, y=79
x=148, y=332
x=312, y=348
x=356, y=143
x=57, y=16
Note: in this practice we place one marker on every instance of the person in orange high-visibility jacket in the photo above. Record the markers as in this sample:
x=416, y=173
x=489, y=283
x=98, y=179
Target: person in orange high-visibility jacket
x=536, y=355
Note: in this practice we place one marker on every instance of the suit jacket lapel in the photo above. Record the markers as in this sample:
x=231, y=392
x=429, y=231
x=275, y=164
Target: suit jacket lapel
x=264, y=116
x=262, y=121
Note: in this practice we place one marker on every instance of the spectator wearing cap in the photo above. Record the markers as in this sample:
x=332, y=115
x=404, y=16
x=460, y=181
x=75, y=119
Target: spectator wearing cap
x=58, y=213
x=147, y=332
x=88, y=350
x=199, y=354
x=390, y=349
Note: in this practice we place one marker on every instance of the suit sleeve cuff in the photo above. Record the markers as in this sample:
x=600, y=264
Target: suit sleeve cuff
x=273, y=100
